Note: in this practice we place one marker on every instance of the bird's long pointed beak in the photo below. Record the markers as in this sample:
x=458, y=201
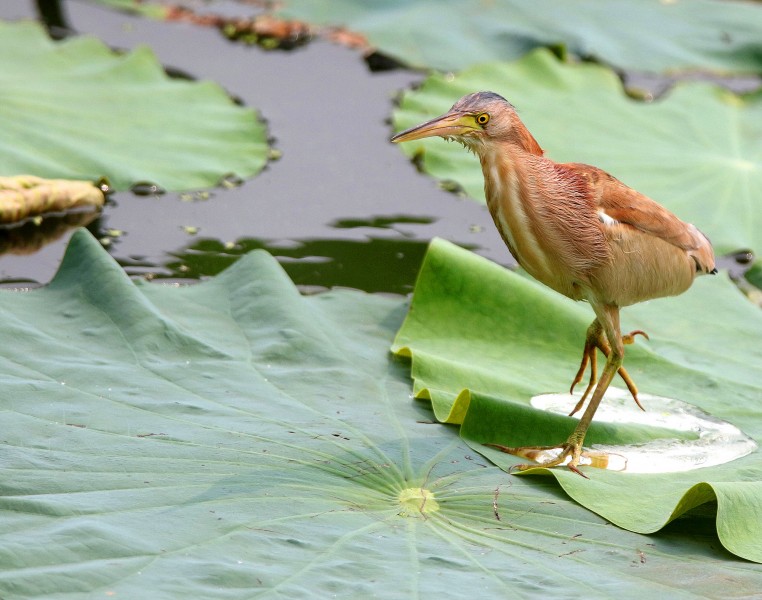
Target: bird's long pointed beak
x=446, y=125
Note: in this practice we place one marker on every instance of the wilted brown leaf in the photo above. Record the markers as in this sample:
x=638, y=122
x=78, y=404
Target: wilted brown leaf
x=25, y=196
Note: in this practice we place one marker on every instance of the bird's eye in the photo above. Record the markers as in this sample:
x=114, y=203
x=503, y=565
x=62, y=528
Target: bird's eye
x=482, y=119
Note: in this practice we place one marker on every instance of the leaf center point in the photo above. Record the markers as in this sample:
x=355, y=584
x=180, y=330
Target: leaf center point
x=417, y=501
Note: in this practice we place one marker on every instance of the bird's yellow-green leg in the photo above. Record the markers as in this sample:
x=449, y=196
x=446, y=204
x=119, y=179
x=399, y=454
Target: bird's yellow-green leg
x=595, y=339
x=608, y=317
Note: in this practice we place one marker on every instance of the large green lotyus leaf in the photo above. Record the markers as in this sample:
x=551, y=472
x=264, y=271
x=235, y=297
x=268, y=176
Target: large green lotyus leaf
x=234, y=439
x=645, y=35
x=697, y=151
x=78, y=110
x=484, y=341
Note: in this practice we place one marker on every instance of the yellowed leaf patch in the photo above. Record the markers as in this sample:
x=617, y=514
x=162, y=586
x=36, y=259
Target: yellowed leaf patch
x=25, y=196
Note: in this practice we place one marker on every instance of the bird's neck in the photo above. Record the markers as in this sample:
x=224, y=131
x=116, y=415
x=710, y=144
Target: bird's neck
x=511, y=202
x=533, y=202
x=520, y=137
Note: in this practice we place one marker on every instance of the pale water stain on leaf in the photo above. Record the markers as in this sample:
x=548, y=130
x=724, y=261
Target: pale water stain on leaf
x=234, y=438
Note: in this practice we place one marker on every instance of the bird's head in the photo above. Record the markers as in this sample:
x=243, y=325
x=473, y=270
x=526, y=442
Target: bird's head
x=476, y=120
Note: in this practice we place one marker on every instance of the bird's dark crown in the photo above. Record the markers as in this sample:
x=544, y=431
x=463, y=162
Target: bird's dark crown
x=478, y=101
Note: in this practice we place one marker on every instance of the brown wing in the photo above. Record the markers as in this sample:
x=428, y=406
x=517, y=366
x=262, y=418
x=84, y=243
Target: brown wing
x=625, y=205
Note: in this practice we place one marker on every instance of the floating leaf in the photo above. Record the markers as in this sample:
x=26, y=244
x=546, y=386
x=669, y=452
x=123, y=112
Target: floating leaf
x=234, y=438
x=78, y=110
x=698, y=151
x=650, y=35
x=485, y=340
x=25, y=196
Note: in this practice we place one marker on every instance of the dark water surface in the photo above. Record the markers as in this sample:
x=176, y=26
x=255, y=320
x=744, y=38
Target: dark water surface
x=342, y=206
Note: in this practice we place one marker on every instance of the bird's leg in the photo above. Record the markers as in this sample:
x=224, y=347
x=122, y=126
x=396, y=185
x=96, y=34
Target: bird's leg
x=608, y=319
x=592, y=341
x=596, y=339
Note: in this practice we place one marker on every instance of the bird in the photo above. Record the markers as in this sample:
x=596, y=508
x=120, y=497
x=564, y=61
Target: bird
x=581, y=232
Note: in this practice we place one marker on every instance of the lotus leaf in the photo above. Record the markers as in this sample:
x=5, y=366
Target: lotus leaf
x=26, y=196
x=233, y=438
x=645, y=35
x=78, y=110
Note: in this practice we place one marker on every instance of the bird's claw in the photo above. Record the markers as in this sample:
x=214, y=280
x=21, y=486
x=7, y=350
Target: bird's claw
x=574, y=468
x=568, y=449
x=629, y=338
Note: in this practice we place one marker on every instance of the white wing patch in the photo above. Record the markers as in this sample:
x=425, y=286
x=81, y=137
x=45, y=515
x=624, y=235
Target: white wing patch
x=605, y=219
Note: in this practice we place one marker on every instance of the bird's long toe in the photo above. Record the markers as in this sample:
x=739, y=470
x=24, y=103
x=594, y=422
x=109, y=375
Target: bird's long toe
x=570, y=449
x=629, y=338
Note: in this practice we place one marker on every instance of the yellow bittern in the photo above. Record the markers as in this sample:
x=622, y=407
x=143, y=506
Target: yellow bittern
x=579, y=231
